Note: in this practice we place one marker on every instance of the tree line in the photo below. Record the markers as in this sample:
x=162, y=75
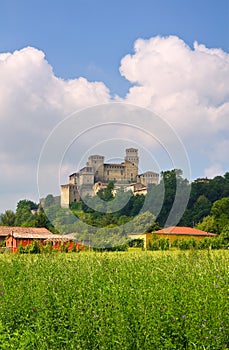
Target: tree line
x=207, y=208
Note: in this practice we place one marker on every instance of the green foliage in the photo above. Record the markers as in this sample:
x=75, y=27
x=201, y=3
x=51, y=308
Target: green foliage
x=212, y=191
x=185, y=244
x=145, y=300
x=32, y=248
x=142, y=222
x=49, y=200
x=107, y=193
x=175, y=243
x=136, y=243
x=207, y=225
x=8, y=218
x=159, y=244
x=204, y=243
x=207, y=208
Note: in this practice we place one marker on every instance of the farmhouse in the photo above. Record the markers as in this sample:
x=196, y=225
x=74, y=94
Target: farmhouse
x=16, y=236
x=172, y=232
x=179, y=232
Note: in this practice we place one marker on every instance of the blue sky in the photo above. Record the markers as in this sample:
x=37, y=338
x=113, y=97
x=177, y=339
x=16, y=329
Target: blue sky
x=88, y=38
x=57, y=57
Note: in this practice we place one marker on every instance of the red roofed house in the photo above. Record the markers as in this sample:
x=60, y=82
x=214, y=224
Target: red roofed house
x=24, y=236
x=177, y=232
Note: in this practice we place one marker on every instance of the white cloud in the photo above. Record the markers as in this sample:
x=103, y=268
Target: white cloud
x=213, y=170
x=32, y=101
x=187, y=87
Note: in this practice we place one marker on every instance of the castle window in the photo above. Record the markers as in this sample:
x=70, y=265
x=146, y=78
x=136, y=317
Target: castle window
x=107, y=172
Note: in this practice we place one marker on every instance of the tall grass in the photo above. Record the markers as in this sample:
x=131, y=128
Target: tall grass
x=139, y=300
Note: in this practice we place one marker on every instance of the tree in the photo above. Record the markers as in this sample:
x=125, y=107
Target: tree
x=220, y=212
x=24, y=216
x=201, y=208
x=208, y=224
x=107, y=193
x=49, y=200
x=174, y=187
x=142, y=222
x=8, y=218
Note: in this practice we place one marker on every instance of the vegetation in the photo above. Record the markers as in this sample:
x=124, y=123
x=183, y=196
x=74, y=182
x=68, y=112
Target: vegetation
x=146, y=300
x=207, y=208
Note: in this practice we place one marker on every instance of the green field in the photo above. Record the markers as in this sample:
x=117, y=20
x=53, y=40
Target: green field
x=130, y=300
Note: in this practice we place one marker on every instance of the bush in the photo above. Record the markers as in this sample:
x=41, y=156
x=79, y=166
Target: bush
x=184, y=244
x=204, y=243
x=34, y=247
x=175, y=243
x=164, y=243
x=154, y=245
x=48, y=247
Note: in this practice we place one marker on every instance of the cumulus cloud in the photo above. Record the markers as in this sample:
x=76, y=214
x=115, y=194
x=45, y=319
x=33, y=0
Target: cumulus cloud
x=213, y=170
x=32, y=101
x=189, y=87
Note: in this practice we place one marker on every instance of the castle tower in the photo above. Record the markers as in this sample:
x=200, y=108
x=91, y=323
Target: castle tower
x=97, y=163
x=132, y=156
x=131, y=164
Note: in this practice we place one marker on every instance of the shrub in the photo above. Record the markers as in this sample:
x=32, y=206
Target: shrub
x=48, y=247
x=175, y=243
x=34, y=247
x=204, y=243
x=154, y=245
x=184, y=244
x=163, y=243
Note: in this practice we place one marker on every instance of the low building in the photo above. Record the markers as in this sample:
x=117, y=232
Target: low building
x=136, y=188
x=23, y=236
x=145, y=237
x=179, y=232
x=67, y=240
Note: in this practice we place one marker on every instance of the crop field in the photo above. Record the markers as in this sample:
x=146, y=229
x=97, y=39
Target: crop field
x=126, y=300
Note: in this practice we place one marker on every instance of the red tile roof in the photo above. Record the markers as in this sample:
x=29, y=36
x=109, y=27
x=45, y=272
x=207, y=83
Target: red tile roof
x=25, y=232
x=179, y=230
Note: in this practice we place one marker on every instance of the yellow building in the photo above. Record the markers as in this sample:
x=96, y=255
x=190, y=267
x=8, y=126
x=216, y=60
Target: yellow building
x=145, y=237
x=179, y=232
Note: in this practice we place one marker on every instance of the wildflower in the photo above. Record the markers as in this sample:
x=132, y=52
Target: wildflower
x=184, y=316
x=173, y=319
x=207, y=337
x=216, y=285
x=2, y=293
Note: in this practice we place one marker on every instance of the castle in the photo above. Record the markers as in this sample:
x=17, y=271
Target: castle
x=97, y=174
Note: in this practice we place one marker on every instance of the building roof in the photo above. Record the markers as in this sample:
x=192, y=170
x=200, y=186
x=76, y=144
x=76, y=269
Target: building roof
x=25, y=232
x=149, y=173
x=179, y=230
x=60, y=238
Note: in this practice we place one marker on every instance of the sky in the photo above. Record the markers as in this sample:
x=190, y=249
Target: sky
x=59, y=57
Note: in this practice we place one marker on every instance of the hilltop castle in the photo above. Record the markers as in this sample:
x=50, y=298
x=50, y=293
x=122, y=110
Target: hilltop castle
x=96, y=175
